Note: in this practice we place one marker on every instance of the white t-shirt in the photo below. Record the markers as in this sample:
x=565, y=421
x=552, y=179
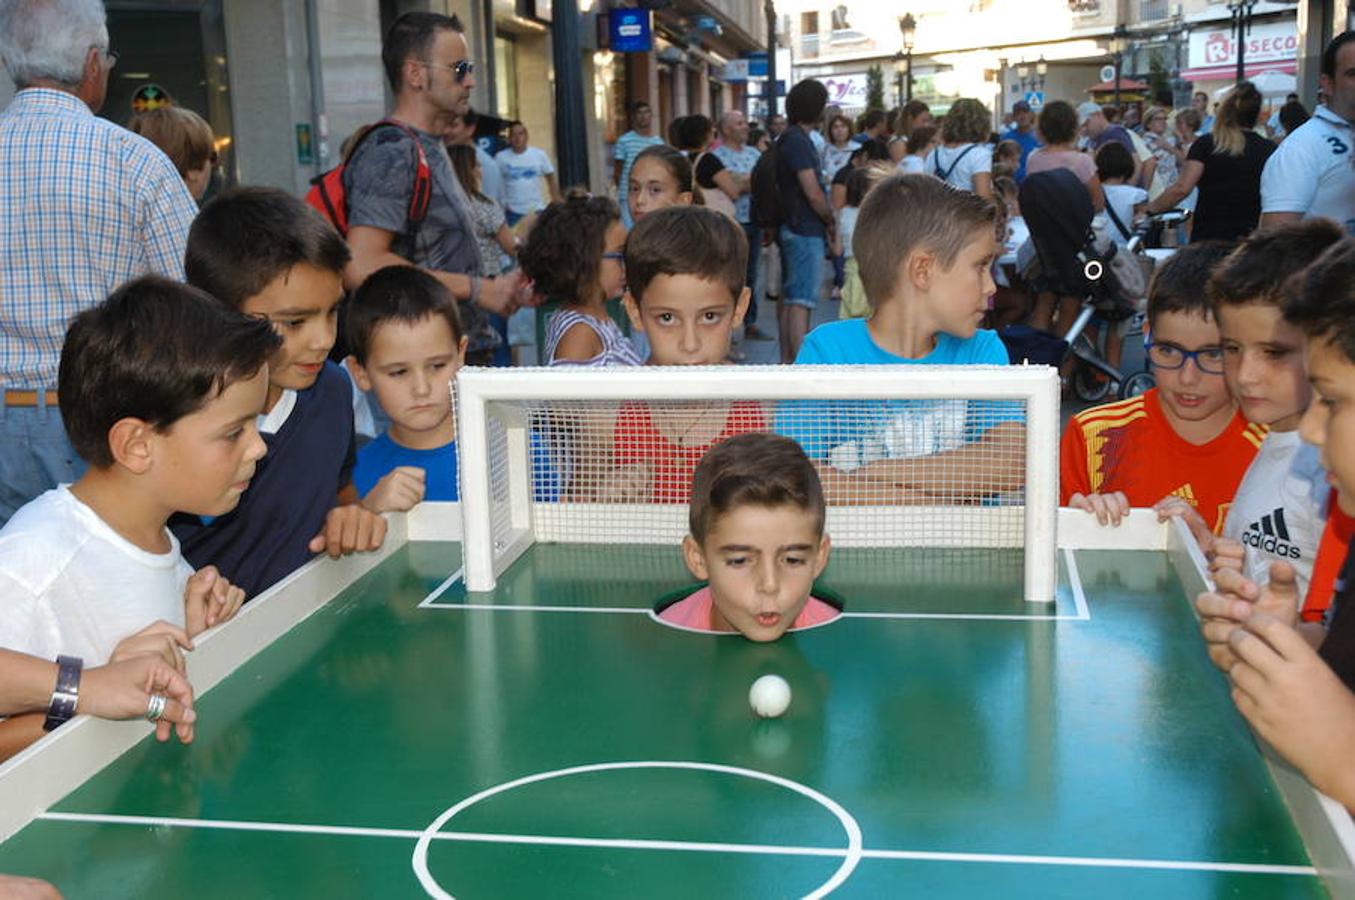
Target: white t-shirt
x=912, y=165
x=1311, y=172
x=846, y=227
x=1280, y=508
x=522, y=173
x=70, y=584
x=958, y=165
x=1123, y=198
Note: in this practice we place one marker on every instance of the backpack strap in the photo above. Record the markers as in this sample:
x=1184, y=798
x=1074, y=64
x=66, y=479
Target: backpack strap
x=951, y=168
x=422, y=194
x=1110, y=211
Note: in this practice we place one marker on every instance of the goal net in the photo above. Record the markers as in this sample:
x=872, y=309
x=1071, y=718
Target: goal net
x=909, y=456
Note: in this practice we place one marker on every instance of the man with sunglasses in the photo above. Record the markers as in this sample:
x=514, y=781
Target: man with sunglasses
x=1184, y=441
x=425, y=58
x=84, y=206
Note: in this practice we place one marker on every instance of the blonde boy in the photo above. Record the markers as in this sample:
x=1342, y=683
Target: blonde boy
x=925, y=252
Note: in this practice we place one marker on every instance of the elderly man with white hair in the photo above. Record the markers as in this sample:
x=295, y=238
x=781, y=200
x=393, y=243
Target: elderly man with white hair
x=84, y=206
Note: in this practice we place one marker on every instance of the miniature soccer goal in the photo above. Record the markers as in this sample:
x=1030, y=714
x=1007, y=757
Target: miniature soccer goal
x=909, y=456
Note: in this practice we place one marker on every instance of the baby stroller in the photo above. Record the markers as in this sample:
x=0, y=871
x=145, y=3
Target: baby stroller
x=1066, y=261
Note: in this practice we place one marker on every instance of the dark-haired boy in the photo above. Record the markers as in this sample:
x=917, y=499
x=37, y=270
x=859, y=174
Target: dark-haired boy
x=757, y=536
x=160, y=387
x=685, y=291
x=263, y=252
x=1298, y=698
x=405, y=337
x=1182, y=440
x=924, y=251
x=1280, y=508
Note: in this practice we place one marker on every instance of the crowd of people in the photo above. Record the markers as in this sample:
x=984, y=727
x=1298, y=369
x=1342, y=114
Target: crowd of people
x=198, y=401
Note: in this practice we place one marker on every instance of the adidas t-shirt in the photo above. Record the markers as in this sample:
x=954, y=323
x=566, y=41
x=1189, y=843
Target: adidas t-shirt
x=1130, y=446
x=1280, y=508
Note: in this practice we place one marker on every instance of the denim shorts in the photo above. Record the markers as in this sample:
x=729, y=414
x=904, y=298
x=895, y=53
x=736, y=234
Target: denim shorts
x=801, y=268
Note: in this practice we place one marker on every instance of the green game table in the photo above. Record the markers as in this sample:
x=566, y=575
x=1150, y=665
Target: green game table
x=368, y=729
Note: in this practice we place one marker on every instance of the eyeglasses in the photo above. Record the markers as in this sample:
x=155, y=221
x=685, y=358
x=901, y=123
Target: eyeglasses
x=110, y=56
x=1208, y=360
x=461, y=70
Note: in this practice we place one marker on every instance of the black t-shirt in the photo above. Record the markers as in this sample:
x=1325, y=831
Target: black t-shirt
x=843, y=174
x=707, y=167
x=1230, y=188
x=796, y=154
x=1338, y=650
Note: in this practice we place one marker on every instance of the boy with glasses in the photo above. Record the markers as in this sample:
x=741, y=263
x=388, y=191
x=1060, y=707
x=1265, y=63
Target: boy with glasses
x=1184, y=439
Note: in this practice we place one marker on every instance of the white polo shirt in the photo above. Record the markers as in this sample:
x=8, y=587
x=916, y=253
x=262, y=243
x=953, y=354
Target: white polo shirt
x=1313, y=171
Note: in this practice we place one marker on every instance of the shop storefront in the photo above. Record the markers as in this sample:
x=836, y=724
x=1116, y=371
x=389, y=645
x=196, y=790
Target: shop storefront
x=1271, y=46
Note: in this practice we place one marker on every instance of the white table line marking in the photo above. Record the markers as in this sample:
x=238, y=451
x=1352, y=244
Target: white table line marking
x=690, y=846
x=1075, y=582
x=442, y=588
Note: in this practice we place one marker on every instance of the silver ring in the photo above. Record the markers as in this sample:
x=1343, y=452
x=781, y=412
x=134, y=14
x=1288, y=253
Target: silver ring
x=155, y=710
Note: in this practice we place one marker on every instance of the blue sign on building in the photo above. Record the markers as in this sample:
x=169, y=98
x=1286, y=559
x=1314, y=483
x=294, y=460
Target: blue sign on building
x=630, y=31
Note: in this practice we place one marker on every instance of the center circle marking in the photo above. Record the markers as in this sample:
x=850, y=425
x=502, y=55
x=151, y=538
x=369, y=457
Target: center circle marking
x=850, y=860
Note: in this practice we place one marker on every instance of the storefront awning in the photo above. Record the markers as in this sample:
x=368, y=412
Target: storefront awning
x=1218, y=73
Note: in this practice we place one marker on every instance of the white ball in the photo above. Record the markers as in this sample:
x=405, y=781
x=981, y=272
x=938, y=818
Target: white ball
x=769, y=696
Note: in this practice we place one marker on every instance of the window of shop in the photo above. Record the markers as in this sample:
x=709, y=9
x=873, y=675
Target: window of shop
x=505, y=75
x=181, y=48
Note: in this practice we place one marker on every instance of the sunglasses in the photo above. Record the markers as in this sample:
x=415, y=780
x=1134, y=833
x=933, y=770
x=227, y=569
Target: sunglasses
x=461, y=70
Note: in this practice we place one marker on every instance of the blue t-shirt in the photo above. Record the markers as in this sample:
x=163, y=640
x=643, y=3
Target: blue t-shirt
x=440, y=468
x=382, y=455
x=851, y=433
x=797, y=153
x=1029, y=141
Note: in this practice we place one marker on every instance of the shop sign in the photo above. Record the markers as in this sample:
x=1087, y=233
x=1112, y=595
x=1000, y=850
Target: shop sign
x=846, y=90
x=630, y=31
x=1266, y=42
x=735, y=70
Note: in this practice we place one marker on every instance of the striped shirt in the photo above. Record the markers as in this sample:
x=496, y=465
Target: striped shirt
x=628, y=146
x=85, y=205
x=616, y=350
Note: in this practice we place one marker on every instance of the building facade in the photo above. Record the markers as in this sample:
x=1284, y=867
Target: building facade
x=1001, y=51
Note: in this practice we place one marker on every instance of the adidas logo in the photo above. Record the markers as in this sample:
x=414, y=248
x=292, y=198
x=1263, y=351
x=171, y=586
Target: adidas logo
x=1187, y=493
x=1271, y=535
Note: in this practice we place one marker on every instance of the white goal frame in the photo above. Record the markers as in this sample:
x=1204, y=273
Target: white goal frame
x=478, y=391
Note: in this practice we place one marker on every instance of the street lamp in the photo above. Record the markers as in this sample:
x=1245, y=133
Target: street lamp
x=1041, y=70
x=1241, y=11
x=1023, y=73
x=908, y=30
x=1117, y=44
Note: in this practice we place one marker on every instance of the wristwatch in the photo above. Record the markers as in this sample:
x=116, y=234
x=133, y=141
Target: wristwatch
x=61, y=707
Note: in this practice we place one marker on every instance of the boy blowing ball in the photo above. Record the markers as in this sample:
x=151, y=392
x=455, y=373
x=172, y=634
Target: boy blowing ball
x=757, y=536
